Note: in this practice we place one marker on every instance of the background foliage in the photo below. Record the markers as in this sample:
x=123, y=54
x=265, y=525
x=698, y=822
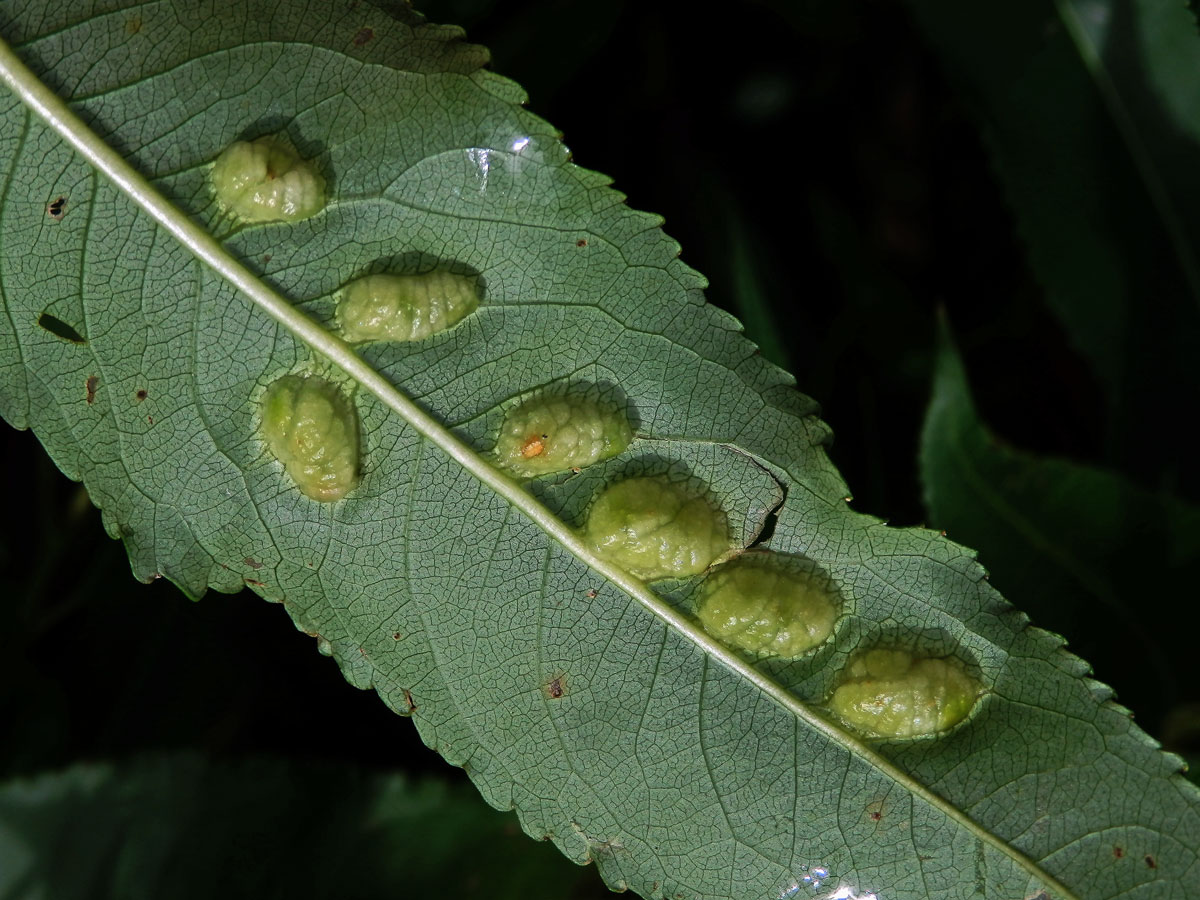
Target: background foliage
x=841, y=181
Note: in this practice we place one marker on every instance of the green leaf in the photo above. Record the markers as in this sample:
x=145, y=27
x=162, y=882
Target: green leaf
x=177, y=826
x=1092, y=113
x=569, y=690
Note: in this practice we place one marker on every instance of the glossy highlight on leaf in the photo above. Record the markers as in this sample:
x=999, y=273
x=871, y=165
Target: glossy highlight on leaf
x=405, y=307
x=766, y=604
x=888, y=693
x=555, y=433
x=656, y=528
x=266, y=181
x=312, y=428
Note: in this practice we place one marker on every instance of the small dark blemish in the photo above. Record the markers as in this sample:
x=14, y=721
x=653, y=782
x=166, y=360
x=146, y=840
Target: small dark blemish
x=408, y=700
x=253, y=582
x=134, y=25
x=149, y=420
x=556, y=687
x=876, y=815
x=60, y=329
x=581, y=243
x=592, y=594
x=252, y=562
x=396, y=636
x=89, y=386
x=266, y=258
x=1150, y=863
x=1118, y=852
x=141, y=395
x=57, y=208
x=364, y=36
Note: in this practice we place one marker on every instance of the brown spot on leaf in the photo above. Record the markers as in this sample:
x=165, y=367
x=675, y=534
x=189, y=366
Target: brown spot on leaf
x=1118, y=852
x=141, y=394
x=1150, y=862
x=57, y=208
x=89, y=387
x=252, y=562
x=409, y=702
x=253, y=582
x=556, y=687
x=364, y=36
x=592, y=594
x=581, y=243
x=134, y=25
x=149, y=420
x=396, y=636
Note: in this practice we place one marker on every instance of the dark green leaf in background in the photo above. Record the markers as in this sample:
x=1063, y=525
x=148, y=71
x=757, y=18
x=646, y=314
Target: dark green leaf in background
x=175, y=826
x=1076, y=541
x=1090, y=111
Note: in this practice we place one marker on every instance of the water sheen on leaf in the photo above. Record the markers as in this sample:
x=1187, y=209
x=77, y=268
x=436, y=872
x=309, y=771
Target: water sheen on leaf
x=612, y=724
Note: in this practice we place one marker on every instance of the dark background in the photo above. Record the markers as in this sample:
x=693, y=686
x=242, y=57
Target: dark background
x=819, y=165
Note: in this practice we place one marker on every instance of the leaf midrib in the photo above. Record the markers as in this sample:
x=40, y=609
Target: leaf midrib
x=55, y=112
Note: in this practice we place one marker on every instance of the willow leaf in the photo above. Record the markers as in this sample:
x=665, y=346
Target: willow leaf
x=570, y=691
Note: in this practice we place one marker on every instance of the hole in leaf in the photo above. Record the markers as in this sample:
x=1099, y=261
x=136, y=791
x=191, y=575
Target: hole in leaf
x=60, y=329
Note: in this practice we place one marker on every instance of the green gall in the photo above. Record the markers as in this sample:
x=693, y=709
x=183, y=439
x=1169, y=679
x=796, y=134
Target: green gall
x=266, y=181
x=654, y=528
x=894, y=694
x=556, y=433
x=405, y=307
x=763, y=604
x=311, y=427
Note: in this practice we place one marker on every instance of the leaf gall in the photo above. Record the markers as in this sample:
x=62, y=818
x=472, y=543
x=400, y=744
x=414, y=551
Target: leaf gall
x=311, y=427
x=763, y=604
x=655, y=528
x=405, y=307
x=887, y=693
x=266, y=181
x=557, y=433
